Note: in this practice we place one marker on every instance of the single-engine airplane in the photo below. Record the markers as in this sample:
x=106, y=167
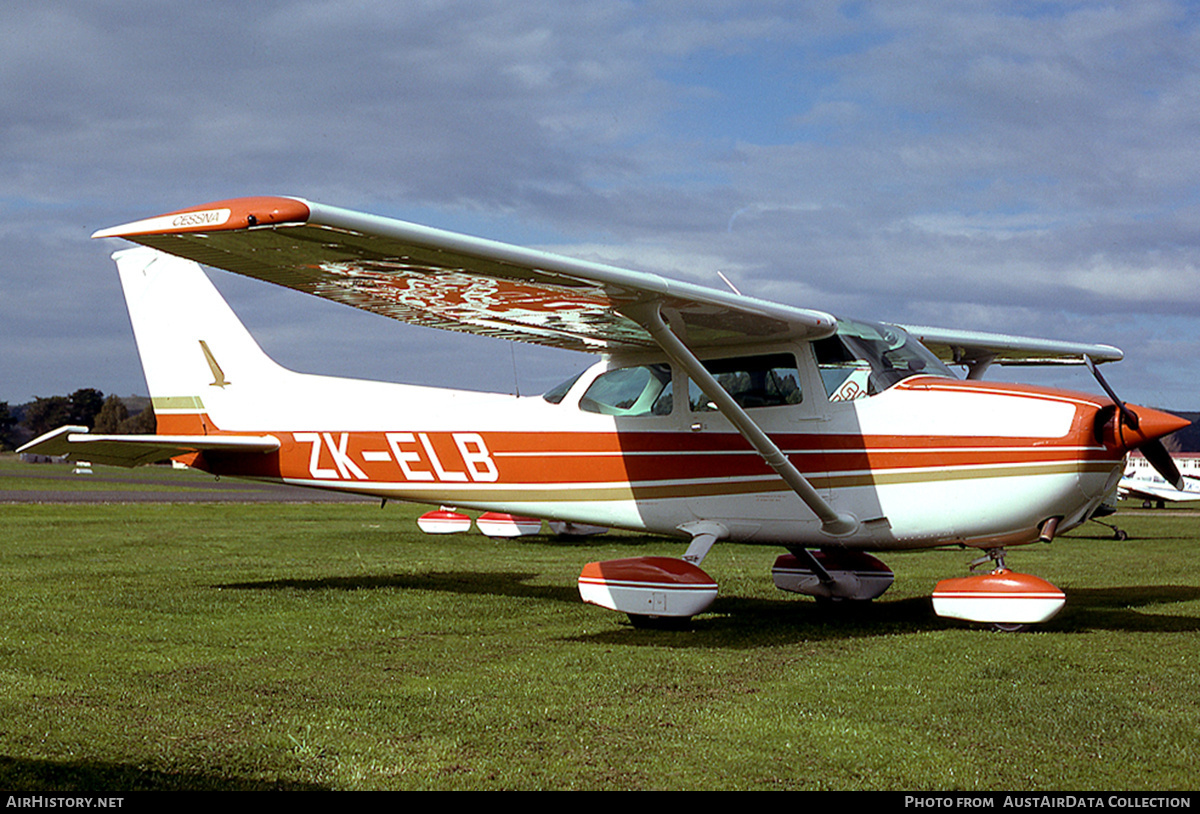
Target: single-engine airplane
x=711, y=415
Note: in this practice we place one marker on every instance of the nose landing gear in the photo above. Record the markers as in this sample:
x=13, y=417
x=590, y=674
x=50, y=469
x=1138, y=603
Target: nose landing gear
x=1002, y=598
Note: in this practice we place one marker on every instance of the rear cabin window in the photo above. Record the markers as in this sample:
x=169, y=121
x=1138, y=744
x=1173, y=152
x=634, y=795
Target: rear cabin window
x=754, y=381
x=771, y=380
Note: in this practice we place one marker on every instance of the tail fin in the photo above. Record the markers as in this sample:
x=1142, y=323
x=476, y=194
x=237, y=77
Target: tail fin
x=204, y=370
x=201, y=364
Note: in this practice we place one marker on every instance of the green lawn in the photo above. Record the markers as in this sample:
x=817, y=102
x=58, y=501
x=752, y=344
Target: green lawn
x=334, y=646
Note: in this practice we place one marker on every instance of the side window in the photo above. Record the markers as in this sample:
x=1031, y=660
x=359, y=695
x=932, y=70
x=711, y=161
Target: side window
x=644, y=390
x=845, y=375
x=753, y=381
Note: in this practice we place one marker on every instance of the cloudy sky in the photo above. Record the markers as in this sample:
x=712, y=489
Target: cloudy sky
x=1023, y=167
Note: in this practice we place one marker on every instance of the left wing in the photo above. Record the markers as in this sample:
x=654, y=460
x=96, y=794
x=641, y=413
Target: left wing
x=446, y=280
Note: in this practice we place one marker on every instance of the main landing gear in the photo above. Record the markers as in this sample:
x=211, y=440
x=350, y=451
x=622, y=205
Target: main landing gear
x=665, y=592
x=832, y=575
x=656, y=591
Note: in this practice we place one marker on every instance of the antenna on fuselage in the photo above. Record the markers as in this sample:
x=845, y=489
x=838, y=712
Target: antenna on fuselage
x=732, y=287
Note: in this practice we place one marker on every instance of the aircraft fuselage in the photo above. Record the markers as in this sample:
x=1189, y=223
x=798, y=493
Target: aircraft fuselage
x=929, y=461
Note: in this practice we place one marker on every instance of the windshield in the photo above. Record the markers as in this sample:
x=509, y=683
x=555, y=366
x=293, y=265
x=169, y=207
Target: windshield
x=865, y=358
x=641, y=390
x=556, y=394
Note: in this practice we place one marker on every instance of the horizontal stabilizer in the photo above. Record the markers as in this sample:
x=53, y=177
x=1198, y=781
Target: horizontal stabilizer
x=77, y=444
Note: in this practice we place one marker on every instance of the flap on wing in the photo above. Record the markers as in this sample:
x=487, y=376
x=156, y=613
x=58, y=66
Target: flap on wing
x=77, y=444
x=441, y=279
x=970, y=347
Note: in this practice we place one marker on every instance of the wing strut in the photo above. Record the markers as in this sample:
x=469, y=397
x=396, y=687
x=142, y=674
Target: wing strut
x=833, y=523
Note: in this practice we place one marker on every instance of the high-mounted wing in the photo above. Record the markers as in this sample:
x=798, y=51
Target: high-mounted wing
x=446, y=280
x=980, y=348
x=441, y=279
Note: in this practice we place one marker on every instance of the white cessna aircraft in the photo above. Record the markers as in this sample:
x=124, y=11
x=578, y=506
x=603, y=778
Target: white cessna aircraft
x=711, y=415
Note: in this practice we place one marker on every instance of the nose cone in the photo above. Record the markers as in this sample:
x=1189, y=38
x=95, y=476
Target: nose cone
x=1150, y=425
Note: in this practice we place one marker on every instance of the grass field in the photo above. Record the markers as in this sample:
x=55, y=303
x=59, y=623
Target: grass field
x=241, y=646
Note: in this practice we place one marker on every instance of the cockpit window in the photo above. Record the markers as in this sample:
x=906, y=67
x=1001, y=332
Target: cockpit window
x=865, y=358
x=643, y=390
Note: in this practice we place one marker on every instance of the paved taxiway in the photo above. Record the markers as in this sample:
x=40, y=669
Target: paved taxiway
x=56, y=484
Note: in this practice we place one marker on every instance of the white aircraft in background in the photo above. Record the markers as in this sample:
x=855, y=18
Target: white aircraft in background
x=1142, y=482
x=711, y=415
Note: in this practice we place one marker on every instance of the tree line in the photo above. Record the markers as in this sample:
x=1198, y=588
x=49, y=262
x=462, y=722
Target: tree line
x=86, y=407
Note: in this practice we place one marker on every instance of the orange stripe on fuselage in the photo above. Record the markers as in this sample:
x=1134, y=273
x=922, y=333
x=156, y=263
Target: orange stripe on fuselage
x=576, y=459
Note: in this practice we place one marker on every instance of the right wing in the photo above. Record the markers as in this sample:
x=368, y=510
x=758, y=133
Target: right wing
x=974, y=347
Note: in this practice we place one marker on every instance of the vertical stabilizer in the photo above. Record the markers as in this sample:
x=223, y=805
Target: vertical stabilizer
x=198, y=358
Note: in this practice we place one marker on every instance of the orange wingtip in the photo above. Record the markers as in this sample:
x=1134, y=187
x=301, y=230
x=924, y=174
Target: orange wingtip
x=235, y=213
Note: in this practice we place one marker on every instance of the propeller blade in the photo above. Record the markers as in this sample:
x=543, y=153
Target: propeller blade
x=1161, y=460
x=1131, y=419
x=1153, y=450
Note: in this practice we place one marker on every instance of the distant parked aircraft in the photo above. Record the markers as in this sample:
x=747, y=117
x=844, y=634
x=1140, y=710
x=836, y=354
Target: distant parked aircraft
x=1142, y=482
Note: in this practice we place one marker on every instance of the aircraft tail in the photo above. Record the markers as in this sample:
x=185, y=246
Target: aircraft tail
x=213, y=388
x=204, y=369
